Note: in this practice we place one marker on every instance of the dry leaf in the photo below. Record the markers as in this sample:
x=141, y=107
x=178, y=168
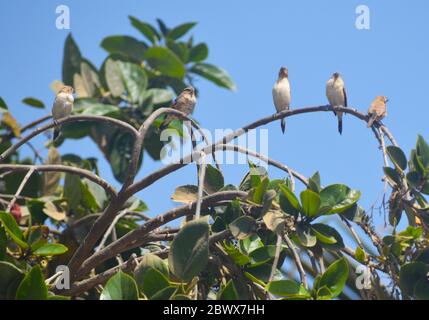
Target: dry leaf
x=51, y=211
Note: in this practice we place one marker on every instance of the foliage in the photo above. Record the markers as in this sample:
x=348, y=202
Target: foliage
x=251, y=241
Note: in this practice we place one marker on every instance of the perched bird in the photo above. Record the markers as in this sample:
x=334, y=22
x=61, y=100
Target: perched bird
x=63, y=106
x=337, y=96
x=185, y=102
x=281, y=93
x=377, y=110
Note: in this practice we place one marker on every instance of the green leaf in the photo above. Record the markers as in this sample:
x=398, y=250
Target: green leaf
x=3, y=244
x=213, y=179
x=113, y=77
x=149, y=261
x=421, y=290
x=232, y=211
x=72, y=190
x=12, y=228
x=185, y=194
x=423, y=151
x=314, y=183
x=33, y=102
x=146, y=29
x=329, y=237
x=164, y=294
x=263, y=254
x=162, y=26
x=152, y=281
x=242, y=227
x=189, y=250
x=10, y=278
x=306, y=235
x=180, y=30
x=287, y=288
x=335, y=277
x=199, y=53
x=120, y=287
x=3, y=105
x=134, y=80
x=33, y=286
x=120, y=151
x=258, y=195
x=410, y=274
x=360, y=255
x=392, y=175
x=310, y=202
x=51, y=249
x=337, y=198
x=214, y=74
x=159, y=96
x=324, y=293
x=101, y=109
x=229, y=292
x=125, y=46
x=355, y=213
x=165, y=61
x=239, y=258
x=288, y=201
x=71, y=60
x=397, y=156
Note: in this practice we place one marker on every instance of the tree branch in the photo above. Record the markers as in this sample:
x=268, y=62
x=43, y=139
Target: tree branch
x=61, y=168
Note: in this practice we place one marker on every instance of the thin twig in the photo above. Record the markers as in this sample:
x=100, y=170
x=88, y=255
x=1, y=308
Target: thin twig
x=297, y=261
x=19, y=190
x=201, y=178
x=276, y=257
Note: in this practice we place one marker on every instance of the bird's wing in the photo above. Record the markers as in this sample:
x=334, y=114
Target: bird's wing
x=345, y=97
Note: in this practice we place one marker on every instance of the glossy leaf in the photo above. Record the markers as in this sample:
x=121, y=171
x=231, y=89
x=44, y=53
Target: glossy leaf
x=337, y=198
x=199, y=52
x=3, y=105
x=242, y=227
x=10, y=278
x=146, y=29
x=229, y=292
x=125, y=46
x=51, y=249
x=189, y=250
x=71, y=60
x=213, y=179
x=33, y=286
x=423, y=151
x=33, y=102
x=335, y=277
x=120, y=287
x=287, y=288
x=310, y=202
x=185, y=194
x=288, y=201
x=397, y=156
x=152, y=281
x=410, y=274
x=180, y=30
x=165, y=61
x=214, y=74
x=12, y=228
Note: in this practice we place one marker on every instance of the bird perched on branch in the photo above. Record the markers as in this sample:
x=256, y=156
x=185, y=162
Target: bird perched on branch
x=63, y=106
x=185, y=102
x=281, y=94
x=337, y=97
x=377, y=110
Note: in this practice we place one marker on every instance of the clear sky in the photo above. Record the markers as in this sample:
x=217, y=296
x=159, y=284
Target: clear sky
x=251, y=40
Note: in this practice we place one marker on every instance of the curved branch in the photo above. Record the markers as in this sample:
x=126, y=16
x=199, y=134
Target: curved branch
x=61, y=168
x=144, y=128
x=148, y=180
x=69, y=119
x=137, y=236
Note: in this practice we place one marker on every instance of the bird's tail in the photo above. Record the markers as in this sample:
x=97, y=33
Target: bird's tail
x=340, y=123
x=371, y=120
x=56, y=134
x=283, y=125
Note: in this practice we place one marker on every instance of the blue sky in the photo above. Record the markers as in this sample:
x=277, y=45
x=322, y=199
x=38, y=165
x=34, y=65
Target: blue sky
x=251, y=40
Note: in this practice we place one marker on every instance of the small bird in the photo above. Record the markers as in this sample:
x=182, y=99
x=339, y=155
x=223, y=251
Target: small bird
x=337, y=96
x=281, y=94
x=377, y=110
x=185, y=102
x=63, y=106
